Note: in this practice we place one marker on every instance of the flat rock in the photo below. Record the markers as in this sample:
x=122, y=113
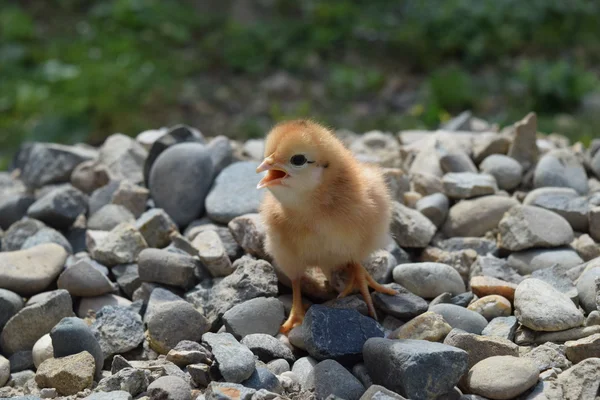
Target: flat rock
x=83, y=280
x=109, y=216
x=128, y=278
x=487, y=285
x=122, y=245
x=234, y=192
x=267, y=348
x=212, y=253
x=10, y=304
x=114, y=395
x=118, y=329
x=502, y=327
x=525, y=227
x=168, y=268
x=495, y=268
x=188, y=352
x=524, y=147
x=506, y=170
x=235, y=361
x=96, y=303
x=123, y=157
x=541, y=307
x=560, y=168
x=435, y=207
x=565, y=202
x=47, y=235
x=527, y=261
x=464, y=185
x=19, y=232
x=23, y=330
x=339, y=334
x=259, y=315
x=472, y=218
x=72, y=336
x=428, y=279
x=187, y=169
x=156, y=227
x=330, y=378
x=13, y=207
x=427, y=326
x=60, y=207
x=480, y=347
x=557, y=278
x=404, y=305
x=263, y=379
x=461, y=318
x=491, y=306
x=228, y=391
x=518, y=375
x=410, y=228
x=68, y=375
x=416, y=369
x=171, y=388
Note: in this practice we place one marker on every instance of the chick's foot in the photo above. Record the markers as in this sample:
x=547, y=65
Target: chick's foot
x=297, y=312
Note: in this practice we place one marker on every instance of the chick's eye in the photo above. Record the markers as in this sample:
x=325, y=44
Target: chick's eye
x=298, y=160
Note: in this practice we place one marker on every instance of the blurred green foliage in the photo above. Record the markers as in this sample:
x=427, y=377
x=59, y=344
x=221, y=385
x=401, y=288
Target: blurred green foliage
x=75, y=70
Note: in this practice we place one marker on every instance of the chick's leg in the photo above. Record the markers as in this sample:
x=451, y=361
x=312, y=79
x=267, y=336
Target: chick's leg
x=361, y=280
x=297, y=312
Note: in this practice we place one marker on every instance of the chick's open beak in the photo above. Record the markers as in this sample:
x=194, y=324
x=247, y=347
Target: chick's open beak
x=276, y=173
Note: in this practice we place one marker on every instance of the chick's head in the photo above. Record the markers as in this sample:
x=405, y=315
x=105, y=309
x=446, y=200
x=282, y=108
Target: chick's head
x=297, y=159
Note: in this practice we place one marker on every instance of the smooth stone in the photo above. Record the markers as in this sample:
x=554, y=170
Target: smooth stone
x=102, y=196
x=19, y=232
x=118, y=329
x=278, y=366
x=13, y=208
x=122, y=245
x=594, y=223
x=565, y=202
x=83, y=280
x=262, y=378
x=96, y=303
x=21, y=361
x=473, y=218
x=330, y=378
x=52, y=163
x=114, y=395
x=89, y=176
x=212, y=253
x=507, y=171
x=47, y=235
x=259, y=315
x=184, y=168
x=486, y=286
x=221, y=153
x=461, y=318
x=157, y=296
x=42, y=350
x=427, y=326
x=267, y=348
x=10, y=304
x=416, y=369
x=480, y=347
x=463, y=299
x=518, y=375
x=528, y=261
x=586, y=287
x=170, y=388
x=491, y=307
x=168, y=268
x=586, y=247
x=173, y=322
x=234, y=192
x=60, y=207
x=68, y=375
x=561, y=168
x=404, y=305
x=123, y=157
x=249, y=231
x=541, y=307
x=524, y=146
x=128, y=278
x=109, y=216
x=338, y=334
x=558, y=278
x=4, y=371
x=156, y=227
x=23, y=330
x=464, y=185
x=425, y=183
x=429, y=279
x=455, y=161
x=435, y=207
x=30, y=271
x=235, y=361
x=188, y=352
x=410, y=228
x=525, y=227
x=486, y=144
x=72, y=336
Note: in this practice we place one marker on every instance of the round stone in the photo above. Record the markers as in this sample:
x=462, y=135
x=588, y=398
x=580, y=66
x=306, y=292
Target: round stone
x=461, y=318
x=10, y=304
x=471, y=218
x=83, y=280
x=109, y=216
x=561, y=168
x=259, y=315
x=502, y=377
x=42, y=350
x=506, y=170
x=429, y=279
x=491, y=307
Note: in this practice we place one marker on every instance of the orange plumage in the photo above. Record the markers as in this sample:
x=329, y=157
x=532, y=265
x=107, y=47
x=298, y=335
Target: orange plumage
x=323, y=208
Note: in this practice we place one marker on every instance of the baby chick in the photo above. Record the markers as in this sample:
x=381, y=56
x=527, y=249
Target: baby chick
x=323, y=208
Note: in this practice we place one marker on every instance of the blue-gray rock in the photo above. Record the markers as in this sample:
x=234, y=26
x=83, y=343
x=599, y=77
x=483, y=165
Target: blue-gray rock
x=435, y=207
x=21, y=361
x=235, y=361
x=128, y=278
x=102, y=196
x=185, y=169
x=496, y=268
x=221, y=153
x=429, y=279
x=558, y=278
x=262, y=378
x=561, y=168
x=234, y=192
x=10, y=304
x=156, y=297
x=338, y=334
x=259, y=315
x=35, y=320
x=13, y=208
x=156, y=226
x=416, y=369
x=566, y=202
x=464, y=185
x=109, y=216
x=461, y=318
x=463, y=299
x=170, y=388
x=586, y=288
x=83, y=280
x=118, y=329
x=47, y=235
x=330, y=378
x=60, y=207
x=410, y=228
x=48, y=163
x=527, y=261
x=19, y=232
x=502, y=327
x=480, y=245
x=114, y=395
x=175, y=135
x=187, y=352
x=404, y=305
x=166, y=267
x=267, y=348
x=72, y=336
x=278, y=366
x=506, y=170
x=132, y=380
x=303, y=368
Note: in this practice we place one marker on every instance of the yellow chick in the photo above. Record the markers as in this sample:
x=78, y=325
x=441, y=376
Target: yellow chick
x=323, y=208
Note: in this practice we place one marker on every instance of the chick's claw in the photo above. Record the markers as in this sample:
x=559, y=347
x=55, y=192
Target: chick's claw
x=296, y=318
